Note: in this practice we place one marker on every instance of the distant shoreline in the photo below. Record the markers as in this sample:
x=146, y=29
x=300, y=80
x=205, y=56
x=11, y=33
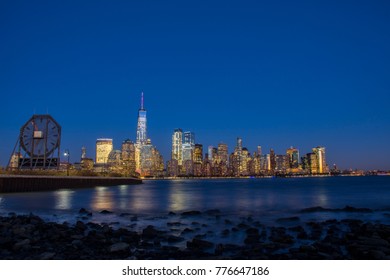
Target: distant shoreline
x=259, y=177
x=31, y=183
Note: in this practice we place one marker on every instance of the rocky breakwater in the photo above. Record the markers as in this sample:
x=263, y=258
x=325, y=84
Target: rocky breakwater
x=30, y=237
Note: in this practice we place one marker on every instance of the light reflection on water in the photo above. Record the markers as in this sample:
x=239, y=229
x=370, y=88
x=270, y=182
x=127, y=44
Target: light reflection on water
x=230, y=196
x=63, y=199
x=102, y=199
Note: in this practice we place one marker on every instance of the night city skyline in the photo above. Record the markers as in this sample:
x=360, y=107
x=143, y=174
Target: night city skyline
x=274, y=74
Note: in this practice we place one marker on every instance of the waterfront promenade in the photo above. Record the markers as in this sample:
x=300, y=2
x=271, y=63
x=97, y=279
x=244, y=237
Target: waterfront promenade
x=30, y=183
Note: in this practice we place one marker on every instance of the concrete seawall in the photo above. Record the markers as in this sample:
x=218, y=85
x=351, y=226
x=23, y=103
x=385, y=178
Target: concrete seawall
x=48, y=183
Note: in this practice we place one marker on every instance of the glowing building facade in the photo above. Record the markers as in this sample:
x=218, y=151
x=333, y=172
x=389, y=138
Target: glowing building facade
x=177, y=146
x=103, y=149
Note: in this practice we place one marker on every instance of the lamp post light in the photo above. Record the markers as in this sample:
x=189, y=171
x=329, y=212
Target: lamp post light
x=67, y=154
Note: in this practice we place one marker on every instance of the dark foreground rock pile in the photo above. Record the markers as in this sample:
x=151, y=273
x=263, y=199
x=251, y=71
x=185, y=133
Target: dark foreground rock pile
x=30, y=237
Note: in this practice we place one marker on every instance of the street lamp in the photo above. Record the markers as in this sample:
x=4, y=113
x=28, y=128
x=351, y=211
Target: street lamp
x=67, y=154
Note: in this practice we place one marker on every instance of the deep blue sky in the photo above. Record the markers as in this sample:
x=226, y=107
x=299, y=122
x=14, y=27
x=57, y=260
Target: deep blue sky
x=276, y=73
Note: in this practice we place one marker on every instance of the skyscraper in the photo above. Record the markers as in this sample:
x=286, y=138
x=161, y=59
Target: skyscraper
x=103, y=149
x=177, y=146
x=189, y=138
x=141, y=134
x=141, y=126
x=321, y=166
x=293, y=157
x=128, y=157
x=272, y=159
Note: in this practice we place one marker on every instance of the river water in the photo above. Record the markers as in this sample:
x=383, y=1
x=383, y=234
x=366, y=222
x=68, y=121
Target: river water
x=266, y=198
x=265, y=201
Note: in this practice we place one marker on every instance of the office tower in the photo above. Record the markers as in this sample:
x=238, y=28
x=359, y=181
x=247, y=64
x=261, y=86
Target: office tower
x=259, y=150
x=223, y=159
x=293, y=157
x=206, y=168
x=187, y=166
x=305, y=161
x=141, y=125
x=187, y=151
x=141, y=134
x=147, y=159
x=159, y=163
x=245, y=162
x=320, y=161
x=172, y=168
x=223, y=155
x=198, y=153
x=198, y=160
x=177, y=146
x=265, y=163
x=114, y=161
x=236, y=159
x=255, y=164
x=188, y=145
x=272, y=160
x=128, y=157
x=281, y=163
x=189, y=138
x=83, y=152
x=103, y=149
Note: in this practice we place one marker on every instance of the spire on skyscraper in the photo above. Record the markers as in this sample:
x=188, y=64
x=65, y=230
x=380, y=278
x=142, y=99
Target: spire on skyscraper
x=141, y=126
x=142, y=100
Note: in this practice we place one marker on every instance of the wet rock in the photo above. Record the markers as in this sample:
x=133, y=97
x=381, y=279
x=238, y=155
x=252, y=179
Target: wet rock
x=124, y=214
x=213, y=212
x=251, y=239
x=225, y=232
x=373, y=242
x=134, y=219
x=80, y=226
x=199, y=244
x=83, y=211
x=200, y=236
x=228, y=222
x=47, y=256
x=77, y=243
x=288, y=219
x=105, y=212
x=377, y=255
x=174, y=224
x=314, y=209
x=21, y=244
x=77, y=236
x=174, y=239
x=226, y=249
x=191, y=213
x=19, y=230
x=171, y=213
x=150, y=232
x=242, y=226
x=252, y=231
x=121, y=246
x=187, y=230
x=307, y=248
x=297, y=229
x=130, y=237
x=353, y=209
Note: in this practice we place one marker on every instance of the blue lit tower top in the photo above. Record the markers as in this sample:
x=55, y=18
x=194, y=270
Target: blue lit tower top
x=141, y=126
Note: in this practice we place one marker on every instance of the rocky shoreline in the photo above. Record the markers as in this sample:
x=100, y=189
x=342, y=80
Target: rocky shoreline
x=32, y=238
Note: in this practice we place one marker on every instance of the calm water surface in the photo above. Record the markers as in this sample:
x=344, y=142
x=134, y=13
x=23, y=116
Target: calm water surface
x=268, y=198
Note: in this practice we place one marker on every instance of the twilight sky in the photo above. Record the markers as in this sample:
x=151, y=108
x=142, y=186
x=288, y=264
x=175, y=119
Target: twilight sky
x=276, y=73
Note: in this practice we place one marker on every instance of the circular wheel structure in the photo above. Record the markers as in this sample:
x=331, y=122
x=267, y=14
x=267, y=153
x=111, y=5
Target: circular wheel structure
x=39, y=137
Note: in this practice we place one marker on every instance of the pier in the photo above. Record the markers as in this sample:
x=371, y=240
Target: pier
x=28, y=183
